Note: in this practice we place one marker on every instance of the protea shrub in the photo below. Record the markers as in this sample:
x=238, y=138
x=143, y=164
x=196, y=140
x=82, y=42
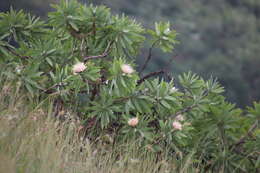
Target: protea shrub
x=79, y=60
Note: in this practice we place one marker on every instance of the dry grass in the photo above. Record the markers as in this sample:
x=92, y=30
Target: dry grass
x=32, y=141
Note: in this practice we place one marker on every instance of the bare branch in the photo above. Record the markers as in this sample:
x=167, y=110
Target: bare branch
x=148, y=57
x=165, y=70
x=168, y=66
x=104, y=54
x=147, y=60
x=149, y=75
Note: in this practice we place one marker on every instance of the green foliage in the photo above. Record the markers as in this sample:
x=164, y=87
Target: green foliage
x=80, y=62
x=19, y=26
x=219, y=38
x=163, y=36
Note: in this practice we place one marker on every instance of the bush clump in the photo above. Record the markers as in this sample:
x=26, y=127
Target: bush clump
x=81, y=59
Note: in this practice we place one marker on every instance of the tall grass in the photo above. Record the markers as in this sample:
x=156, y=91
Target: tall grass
x=33, y=141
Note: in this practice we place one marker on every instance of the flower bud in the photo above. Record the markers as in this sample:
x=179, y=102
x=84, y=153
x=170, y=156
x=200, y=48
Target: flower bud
x=177, y=125
x=127, y=69
x=133, y=122
x=79, y=67
x=179, y=117
x=173, y=89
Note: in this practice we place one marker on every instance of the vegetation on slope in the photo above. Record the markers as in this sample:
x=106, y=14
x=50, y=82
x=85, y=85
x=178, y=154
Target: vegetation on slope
x=80, y=62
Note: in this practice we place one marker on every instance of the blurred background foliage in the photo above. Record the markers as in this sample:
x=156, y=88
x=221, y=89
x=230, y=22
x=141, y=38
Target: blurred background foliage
x=217, y=38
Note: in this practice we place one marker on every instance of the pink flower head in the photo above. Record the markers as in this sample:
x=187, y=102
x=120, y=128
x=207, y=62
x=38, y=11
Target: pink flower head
x=177, y=125
x=6, y=89
x=127, y=69
x=133, y=122
x=79, y=67
x=179, y=117
x=34, y=118
x=80, y=128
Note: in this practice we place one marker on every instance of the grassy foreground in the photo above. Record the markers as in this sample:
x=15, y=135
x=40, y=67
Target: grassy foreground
x=31, y=141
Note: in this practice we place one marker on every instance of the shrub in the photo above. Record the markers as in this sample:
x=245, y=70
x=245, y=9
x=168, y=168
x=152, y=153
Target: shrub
x=81, y=59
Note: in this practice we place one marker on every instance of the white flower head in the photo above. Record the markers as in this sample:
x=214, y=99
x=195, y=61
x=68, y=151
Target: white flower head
x=166, y=31
x=133, y=122
x=127, y=69
x=179, y=117
x=78, y=67
x=19, y=69
x=173, y=90
x=177, y=125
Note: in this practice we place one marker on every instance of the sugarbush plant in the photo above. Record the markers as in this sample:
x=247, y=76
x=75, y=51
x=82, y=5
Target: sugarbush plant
x=81, y=58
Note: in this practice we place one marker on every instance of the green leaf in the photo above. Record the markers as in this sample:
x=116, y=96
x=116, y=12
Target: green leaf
x=165, y=104
x=74, y=26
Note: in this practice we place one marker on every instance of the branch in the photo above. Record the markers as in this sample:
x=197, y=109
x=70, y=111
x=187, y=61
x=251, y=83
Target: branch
x=243, y=138
x=165, y=70
x=51, y=90
x=121, y=99
x=187, y=109
x=149, y=75
x=16, y=54
x=168, y=66
x=77, y=34
x=94, y=92
x=250, y=157
x=104, y=54
x=148, y=57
